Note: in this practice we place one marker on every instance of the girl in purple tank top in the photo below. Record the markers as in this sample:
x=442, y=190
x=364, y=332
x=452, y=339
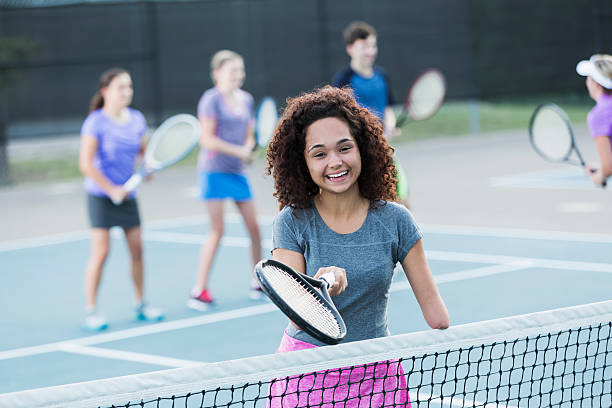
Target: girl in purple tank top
x=227, y=141
x=598, y=70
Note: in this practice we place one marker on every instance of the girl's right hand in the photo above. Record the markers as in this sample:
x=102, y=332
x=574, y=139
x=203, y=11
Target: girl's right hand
x=117, y=194
x=340, y=276
x=247, y=154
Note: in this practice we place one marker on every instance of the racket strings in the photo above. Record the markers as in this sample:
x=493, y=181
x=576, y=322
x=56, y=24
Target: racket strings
x=302, y=300
x=426, y=95
x=267, y=118
x=172, y=144
x=551, y=135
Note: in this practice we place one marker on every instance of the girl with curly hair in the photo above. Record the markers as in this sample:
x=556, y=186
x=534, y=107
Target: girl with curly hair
x=335, y=180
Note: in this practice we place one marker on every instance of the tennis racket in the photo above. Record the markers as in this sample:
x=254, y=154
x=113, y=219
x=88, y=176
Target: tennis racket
x=171, y=142
x=551, y=136
x=302, y=299
x=266, y=119
x=424, y=98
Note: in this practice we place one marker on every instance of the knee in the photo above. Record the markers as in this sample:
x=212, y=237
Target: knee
x=216, y=231
x=255, y=233
x=136, y=250
x=100, y=253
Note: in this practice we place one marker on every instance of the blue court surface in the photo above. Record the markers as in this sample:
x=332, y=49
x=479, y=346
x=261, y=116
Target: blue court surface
x=483, y=273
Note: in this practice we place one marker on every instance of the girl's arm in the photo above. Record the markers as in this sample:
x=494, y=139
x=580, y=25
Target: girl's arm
x=209, y=141
x=424, y=288
x=604, y=148
x=249, y=141
x=87, y=153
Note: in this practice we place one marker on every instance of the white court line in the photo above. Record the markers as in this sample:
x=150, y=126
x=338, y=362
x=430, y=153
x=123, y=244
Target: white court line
x=142, y=331
x=467, y=274
x=509, y=264
x=46, y=240
x=126, y=355
x=235, y=218
x=225, y=316
x=241, y=242
x=534, y=262
x=517, y=233
x=190, y=220
x=198, y=239
x=62, y=238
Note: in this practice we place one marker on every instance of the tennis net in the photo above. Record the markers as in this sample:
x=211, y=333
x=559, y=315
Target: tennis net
x=559, y=358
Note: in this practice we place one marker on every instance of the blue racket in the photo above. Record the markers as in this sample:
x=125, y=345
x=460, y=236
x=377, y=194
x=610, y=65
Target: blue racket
x=266, y=119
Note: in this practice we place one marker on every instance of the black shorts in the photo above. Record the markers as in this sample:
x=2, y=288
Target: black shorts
x=104, y=214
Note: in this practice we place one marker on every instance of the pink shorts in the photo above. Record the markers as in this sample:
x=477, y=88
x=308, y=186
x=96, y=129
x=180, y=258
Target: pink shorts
x=378, y=384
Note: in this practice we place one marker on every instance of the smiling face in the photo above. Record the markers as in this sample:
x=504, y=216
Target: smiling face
x=230, y=75
x=332, y=156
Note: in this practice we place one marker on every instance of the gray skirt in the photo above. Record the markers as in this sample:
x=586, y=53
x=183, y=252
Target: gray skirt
x=104, y=214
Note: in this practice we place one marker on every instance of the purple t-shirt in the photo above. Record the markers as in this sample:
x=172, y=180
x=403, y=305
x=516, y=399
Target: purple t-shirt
x=118, y=146
x=231, y=126
x=599, y=118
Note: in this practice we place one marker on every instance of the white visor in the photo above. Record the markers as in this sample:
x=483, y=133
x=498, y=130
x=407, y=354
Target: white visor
x=587, y=68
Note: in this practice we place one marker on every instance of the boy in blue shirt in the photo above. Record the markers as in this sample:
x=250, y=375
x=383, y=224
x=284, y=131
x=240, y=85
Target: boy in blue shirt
x=370, y=85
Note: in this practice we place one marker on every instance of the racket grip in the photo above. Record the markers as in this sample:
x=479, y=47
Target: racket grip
x=133, y=182
x=330, y=278
x=130, y=185
x=401, y=120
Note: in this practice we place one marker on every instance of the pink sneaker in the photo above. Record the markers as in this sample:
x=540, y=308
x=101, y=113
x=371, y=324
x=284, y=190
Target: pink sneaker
x=201, y=301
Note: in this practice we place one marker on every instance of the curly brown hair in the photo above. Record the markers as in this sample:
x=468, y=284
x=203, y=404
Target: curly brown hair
x=285, y=156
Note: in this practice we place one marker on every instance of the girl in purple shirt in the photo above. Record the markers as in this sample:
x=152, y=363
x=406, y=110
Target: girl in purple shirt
x=227, y=141
x=112, y=138
x=598, y=70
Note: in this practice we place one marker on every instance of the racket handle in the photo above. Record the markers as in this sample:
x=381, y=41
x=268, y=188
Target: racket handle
x=130, y=185
x=401, y=120
x=133, y=182
x=330, y=278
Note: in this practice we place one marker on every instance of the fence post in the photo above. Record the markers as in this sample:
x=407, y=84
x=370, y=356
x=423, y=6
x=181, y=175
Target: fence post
x=5, y=175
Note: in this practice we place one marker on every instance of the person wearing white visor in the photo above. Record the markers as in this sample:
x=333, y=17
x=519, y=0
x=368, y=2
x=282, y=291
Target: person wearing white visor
x=598, y=70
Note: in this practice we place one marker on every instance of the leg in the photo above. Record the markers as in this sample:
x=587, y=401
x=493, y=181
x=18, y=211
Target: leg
x=248, y=212
x=133, y=237
x=210, y=246
x=100, y=245
x=249, y=215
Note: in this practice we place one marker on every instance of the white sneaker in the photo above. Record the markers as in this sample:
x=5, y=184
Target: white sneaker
x=149, y=313
x=95, y=322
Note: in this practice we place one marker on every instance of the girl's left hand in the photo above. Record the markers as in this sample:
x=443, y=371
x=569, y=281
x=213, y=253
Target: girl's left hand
x=340, y=275
x=594, y=174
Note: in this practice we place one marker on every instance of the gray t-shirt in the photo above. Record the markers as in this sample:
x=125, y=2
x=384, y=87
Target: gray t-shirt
x=368, y=255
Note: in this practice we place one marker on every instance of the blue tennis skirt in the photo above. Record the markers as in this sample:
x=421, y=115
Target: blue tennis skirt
x=218, y=186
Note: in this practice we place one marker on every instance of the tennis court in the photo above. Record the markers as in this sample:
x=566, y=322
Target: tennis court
x=496, y=252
